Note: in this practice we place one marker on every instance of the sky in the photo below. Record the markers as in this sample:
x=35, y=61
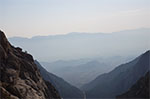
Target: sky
x=27, y=18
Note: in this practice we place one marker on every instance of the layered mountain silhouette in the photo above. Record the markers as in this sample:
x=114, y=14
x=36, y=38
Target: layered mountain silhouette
x=85, y=45
x=139, y=90
x=119, y=80
x=66, y=90
x=81, y=71
x=19, y=75
x=81, y=74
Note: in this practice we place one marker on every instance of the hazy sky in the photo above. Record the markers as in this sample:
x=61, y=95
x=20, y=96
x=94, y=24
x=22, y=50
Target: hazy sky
x=45, y=17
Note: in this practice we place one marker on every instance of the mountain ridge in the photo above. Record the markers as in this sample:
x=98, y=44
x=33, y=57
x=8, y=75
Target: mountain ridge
x=107, y=45
x=76, y=33
x=139, y=90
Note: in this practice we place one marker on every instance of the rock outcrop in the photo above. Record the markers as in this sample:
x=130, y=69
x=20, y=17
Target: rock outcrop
x=19, y=75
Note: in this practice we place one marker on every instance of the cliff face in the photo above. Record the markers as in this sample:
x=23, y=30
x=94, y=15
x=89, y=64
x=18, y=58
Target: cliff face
x=20, y=78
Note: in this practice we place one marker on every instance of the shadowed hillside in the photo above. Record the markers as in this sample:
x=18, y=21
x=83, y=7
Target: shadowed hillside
x=139, y=90
x=119, y=80
x=66, y=90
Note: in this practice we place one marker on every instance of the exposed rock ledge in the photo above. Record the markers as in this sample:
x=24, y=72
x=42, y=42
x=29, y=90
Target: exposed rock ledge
x=20, y=78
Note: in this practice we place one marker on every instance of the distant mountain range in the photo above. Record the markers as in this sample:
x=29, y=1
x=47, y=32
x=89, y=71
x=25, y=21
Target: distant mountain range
x=65, y=90
x=81, y=71
x=119, y=80
x=81, y=74
x=85, y=45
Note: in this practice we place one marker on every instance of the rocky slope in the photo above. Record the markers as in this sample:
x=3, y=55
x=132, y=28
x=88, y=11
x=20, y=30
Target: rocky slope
x=139, y=90
x=20, y=78
x=65, y=90
x=119, y=80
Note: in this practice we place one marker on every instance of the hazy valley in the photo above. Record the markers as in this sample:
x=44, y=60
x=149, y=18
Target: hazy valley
x=94, y=76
